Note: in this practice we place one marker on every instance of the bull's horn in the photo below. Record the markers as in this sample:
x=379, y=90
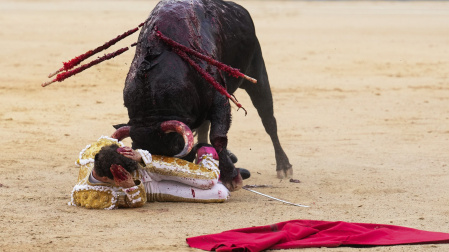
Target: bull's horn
x=121, y=133
x=182, y=129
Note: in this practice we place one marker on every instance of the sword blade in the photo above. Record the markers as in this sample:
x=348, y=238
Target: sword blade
x=271, y=197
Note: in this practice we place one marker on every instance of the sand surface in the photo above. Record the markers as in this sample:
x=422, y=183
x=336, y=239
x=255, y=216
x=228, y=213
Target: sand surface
x=361, y=92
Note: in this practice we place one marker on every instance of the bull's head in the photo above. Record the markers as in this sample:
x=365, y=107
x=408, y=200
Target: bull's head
x=171, y=137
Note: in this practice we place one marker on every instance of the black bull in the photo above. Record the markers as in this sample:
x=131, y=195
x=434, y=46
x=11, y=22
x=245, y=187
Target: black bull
x=161, y=86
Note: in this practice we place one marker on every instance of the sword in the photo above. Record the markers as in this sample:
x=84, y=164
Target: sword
x=271, y=197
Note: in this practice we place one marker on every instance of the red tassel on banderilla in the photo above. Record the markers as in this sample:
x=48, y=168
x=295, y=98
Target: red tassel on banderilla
x=67, y=66
x=66, y=71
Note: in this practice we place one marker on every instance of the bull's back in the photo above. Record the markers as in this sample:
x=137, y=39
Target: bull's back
x=160, y=82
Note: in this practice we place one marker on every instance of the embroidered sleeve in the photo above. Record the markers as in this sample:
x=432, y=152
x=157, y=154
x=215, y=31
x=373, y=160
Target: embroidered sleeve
x=134, y=196
x=209, y=163
x=104, y=197
x=146, y=156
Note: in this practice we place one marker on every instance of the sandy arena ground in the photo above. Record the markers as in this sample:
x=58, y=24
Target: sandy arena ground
x=361, y=93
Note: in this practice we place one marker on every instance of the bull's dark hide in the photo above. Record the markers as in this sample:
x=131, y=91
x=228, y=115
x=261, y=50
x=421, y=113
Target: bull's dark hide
x=161, y=86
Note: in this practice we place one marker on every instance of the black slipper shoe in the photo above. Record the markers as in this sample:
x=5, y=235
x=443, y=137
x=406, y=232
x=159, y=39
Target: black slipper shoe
x=244, y=173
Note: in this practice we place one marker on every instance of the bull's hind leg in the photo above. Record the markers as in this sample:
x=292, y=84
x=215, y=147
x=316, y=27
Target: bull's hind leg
x=262, y=100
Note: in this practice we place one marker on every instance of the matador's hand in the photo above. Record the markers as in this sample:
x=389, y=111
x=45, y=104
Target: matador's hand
x=122, y=177
x=130, y=153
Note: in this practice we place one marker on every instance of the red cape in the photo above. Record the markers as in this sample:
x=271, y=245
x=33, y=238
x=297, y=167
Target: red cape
x=312, y=233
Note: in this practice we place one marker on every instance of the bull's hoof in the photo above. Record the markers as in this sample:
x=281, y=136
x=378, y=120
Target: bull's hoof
x=235, y=184
x=281, y=174
x=245, y=173
x=233, y=157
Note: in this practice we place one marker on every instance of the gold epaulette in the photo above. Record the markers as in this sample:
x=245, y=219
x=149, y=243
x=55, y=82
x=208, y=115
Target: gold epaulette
x=87, y=155
x=97, y=197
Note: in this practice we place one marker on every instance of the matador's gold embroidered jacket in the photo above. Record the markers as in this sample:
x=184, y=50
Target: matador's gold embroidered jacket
x=106, y=196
